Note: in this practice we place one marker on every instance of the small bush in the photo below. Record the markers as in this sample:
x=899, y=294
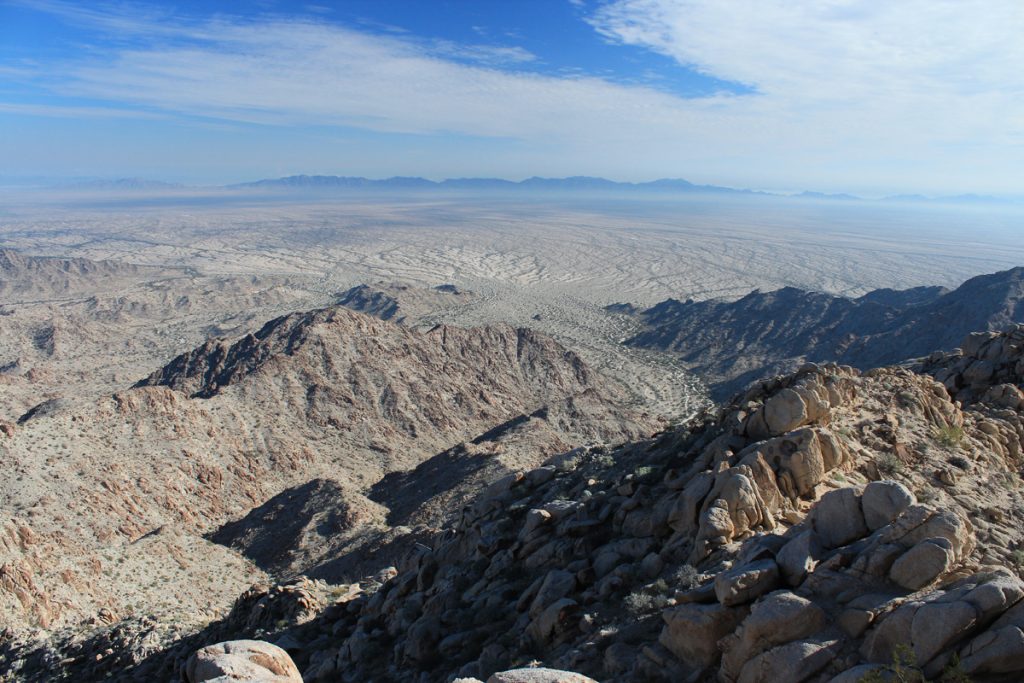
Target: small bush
x=639, y=602
x=903, y=670
x=961, y=462
x=948, y=436
x=652, y=597
x=684, y=578
x=925, y=495
x=889, y=464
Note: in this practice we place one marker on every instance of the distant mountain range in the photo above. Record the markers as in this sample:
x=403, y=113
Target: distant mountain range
x=574, y=183
x=731, y=343
x=577, y=183
x=122, y=184
x=663, y=186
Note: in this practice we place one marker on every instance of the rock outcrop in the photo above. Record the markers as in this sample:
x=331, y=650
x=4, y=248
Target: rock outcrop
x=242, y=661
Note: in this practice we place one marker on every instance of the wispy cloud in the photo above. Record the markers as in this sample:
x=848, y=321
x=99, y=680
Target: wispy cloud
x=289, y=71
x=74, y=112
x=841, y=91
x=951, y=66
x=496, y=55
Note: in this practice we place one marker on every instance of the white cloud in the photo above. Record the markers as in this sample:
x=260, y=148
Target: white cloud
x=952, y=66
x=911, y=95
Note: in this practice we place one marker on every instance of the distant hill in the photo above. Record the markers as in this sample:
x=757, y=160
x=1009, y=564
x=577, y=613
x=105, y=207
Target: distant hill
x=731, y=343
x=123, y=184
x=824, y=195
x=25, y=277
x=398, y=302
x=574, y=183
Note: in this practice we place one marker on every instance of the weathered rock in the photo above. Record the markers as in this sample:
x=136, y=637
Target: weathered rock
x=923, y=563
x=785, y=411
x=884, y=501
x=861, y=672
x=422, y=640
x=553, y=620
x=779, y=618
x=837, y=518
x=943, y=619
x=998, y=651
x=556, y=585
x=792, y=662
x=241, y=660
x=798, y=557
x=692, y=631
x=538, y=675
x=746, y=582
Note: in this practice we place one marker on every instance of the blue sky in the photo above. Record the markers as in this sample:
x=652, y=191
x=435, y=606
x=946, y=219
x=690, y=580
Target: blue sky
x=920, y=95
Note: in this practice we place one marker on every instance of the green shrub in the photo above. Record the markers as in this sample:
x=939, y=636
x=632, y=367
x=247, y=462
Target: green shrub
x=948, y=436
x=889, y=464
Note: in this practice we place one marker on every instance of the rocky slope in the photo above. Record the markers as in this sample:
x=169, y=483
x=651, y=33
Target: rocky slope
x=731, y=343
x=404, y=303
x=829, y=525
x=75, y=328
x=176, y=491
x=45, y=277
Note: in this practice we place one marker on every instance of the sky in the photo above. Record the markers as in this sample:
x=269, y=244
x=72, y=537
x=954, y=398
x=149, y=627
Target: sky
x=831, y=95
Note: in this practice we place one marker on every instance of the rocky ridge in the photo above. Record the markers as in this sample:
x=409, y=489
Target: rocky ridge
x=331, y=400
x=403, y=303
x=827, y=525
x=730, y=343
x=44, y=277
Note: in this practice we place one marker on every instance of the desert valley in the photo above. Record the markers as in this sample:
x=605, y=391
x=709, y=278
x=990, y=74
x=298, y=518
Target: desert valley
x=425, y=436
x=546, y=341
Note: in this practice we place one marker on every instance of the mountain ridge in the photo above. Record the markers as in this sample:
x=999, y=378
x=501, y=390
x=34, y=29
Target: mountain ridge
x=730, y=343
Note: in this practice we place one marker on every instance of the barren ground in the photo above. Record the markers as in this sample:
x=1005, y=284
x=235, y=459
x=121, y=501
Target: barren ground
x=547, y=264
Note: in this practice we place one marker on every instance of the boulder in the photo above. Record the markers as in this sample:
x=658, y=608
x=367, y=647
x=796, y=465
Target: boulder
x=838, y=519
x=998, y=651
x=785, y=411
x=937, y=625
x=557, y=585
x=779, y=618
x=798, y=557
x=923, y=563
x=746, y=583
x=241, y=660
x=538, y=675
x=421, y=641
x=864, y=672
x=884, y=501
x=552, y=621
x=792, y=662
x=692, y=631
x=933, y=626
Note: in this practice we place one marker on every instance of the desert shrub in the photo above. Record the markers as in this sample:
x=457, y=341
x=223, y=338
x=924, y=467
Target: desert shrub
x=948, y=436
x=904, y=670
x=654, y=596
x=907, y=398
x=889, y=464
x=925, y=495
x=960, y=461
x=683, y=578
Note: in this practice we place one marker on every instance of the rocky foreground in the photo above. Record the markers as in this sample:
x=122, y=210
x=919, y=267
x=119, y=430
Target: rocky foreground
x=828, y=525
